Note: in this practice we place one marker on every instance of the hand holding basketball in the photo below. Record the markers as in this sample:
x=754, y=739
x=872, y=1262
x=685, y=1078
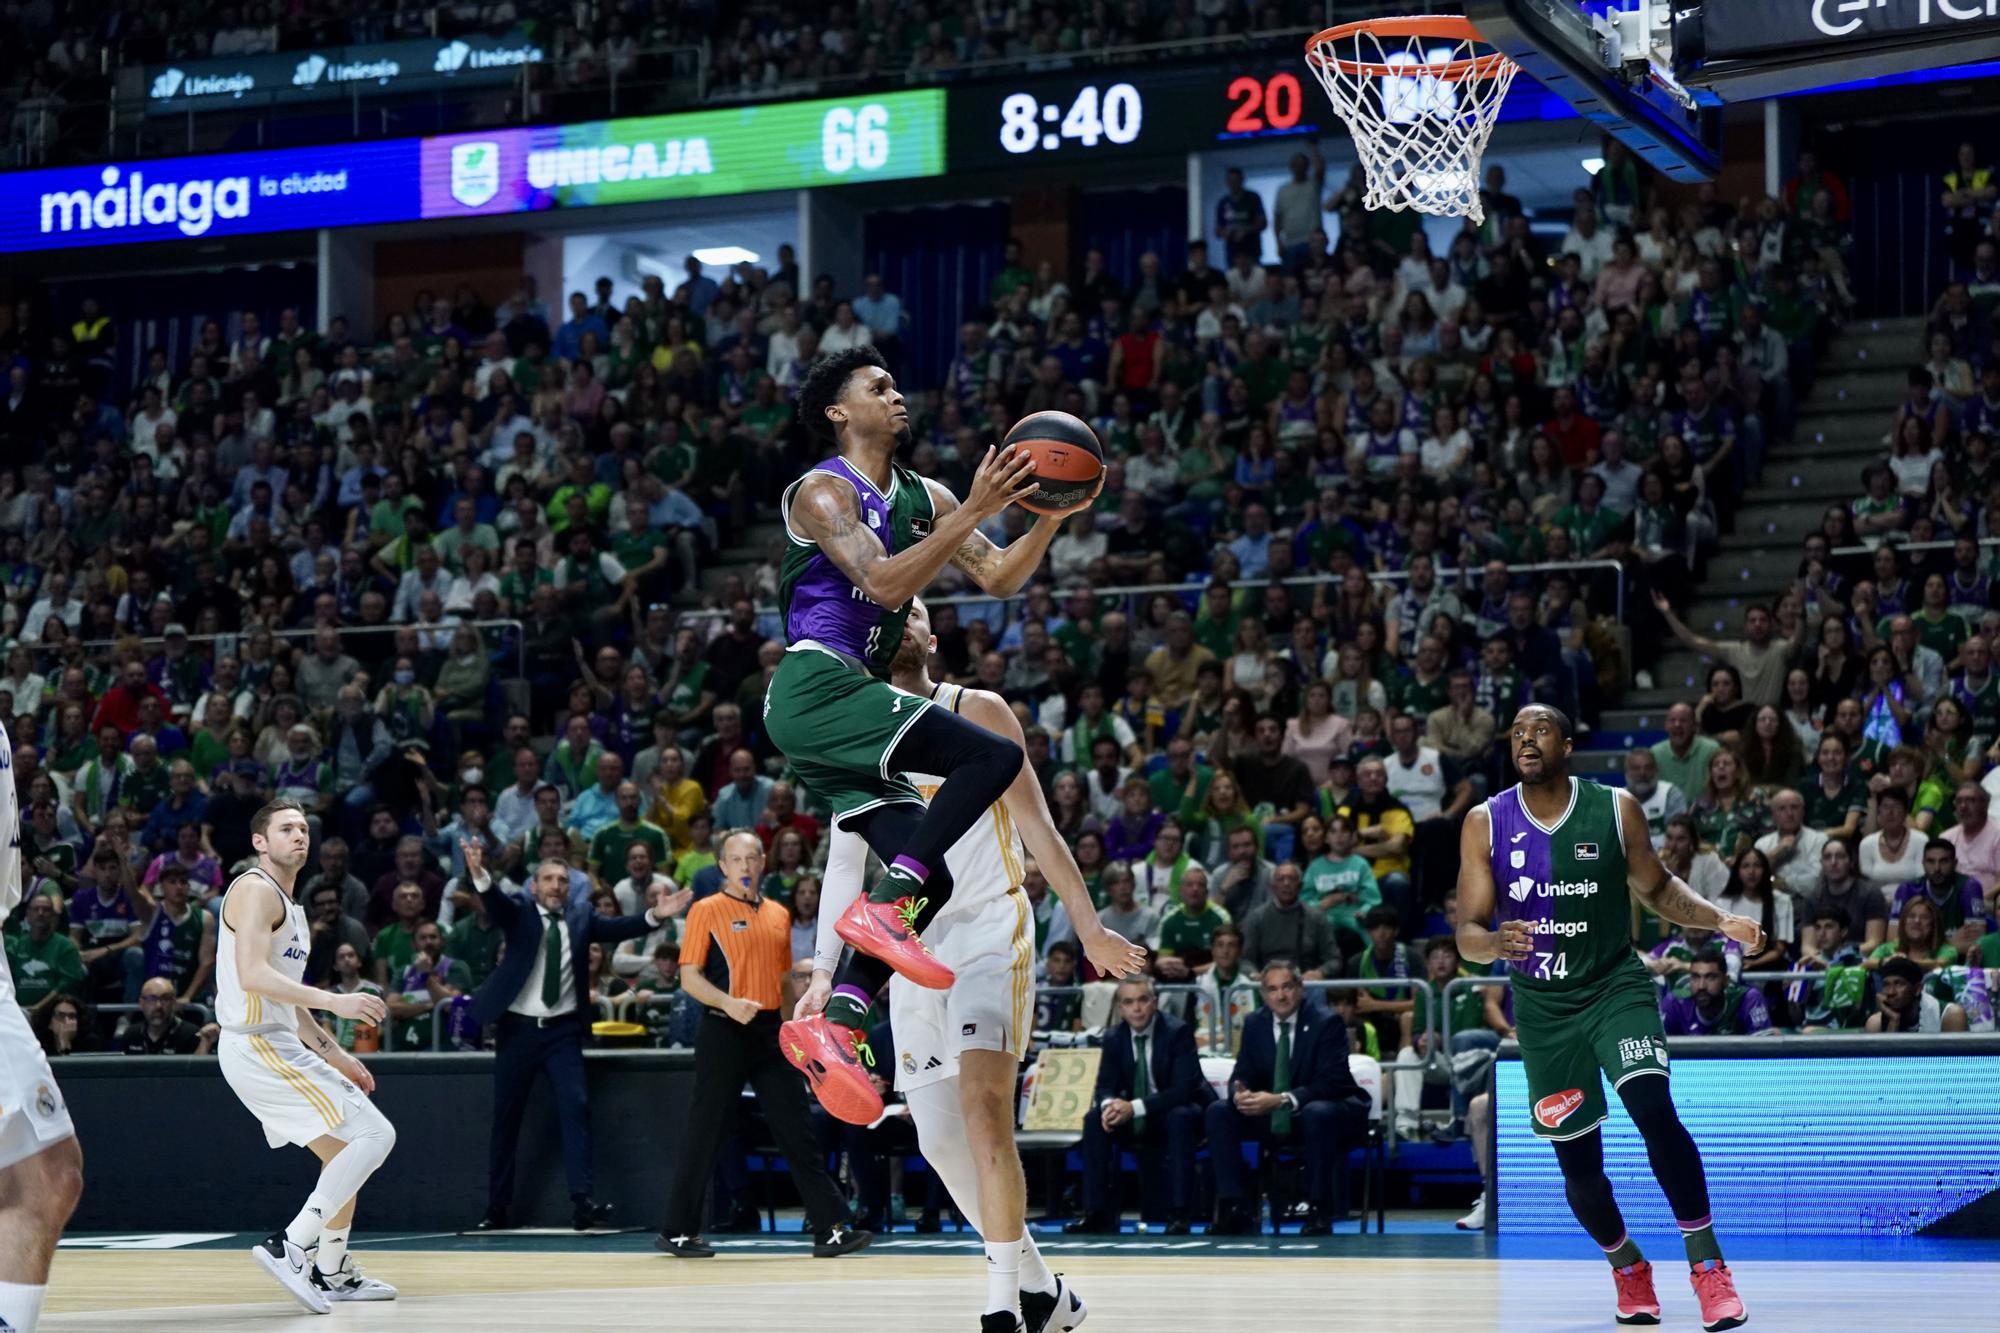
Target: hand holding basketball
x=1068, y=460
x=1002, y=478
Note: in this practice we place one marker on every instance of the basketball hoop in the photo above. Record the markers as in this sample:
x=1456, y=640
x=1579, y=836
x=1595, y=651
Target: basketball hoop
x=1420, y=96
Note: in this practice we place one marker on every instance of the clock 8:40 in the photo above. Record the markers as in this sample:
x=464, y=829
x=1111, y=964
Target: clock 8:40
x=1115, y=115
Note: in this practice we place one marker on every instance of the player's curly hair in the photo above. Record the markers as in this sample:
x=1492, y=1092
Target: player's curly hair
x=824, y=381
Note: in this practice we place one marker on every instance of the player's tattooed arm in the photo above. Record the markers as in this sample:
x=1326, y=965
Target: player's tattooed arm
x=1002, y=572
x=1666, y=894
x=826, y=510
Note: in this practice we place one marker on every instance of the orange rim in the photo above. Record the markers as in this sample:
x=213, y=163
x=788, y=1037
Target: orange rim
x=1449, y=27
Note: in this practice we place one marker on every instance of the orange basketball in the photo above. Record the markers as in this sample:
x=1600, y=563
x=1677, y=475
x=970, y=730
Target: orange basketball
x=1068, y=459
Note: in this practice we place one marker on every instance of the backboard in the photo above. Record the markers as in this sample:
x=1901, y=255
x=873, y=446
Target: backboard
x=1655, y=73
x=1613, y=60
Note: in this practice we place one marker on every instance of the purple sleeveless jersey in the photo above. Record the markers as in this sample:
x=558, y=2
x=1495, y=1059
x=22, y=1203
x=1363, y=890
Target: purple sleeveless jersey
x=821, y=603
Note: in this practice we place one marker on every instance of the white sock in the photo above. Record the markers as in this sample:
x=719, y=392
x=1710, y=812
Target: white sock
x=332, y=1248
x=1035, y=1275
x=1003, y=1276
x=305, y=1228
x=21, y=1306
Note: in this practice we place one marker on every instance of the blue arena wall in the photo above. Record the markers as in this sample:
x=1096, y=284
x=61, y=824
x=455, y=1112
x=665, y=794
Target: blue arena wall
x=1801, y=1136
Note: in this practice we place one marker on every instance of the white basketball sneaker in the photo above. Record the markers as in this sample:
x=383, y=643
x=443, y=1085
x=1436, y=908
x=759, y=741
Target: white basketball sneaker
x=1476, y=1219
x=292, y=1268
x=349, y=1283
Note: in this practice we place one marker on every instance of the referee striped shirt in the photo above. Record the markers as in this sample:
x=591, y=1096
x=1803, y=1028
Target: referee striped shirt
x=742, y=948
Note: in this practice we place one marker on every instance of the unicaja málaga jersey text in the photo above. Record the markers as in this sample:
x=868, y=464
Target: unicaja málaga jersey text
x=1567, y=881
x=238, y=1010
x=819, y=602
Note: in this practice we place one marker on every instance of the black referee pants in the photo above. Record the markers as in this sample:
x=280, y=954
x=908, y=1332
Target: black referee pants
x=728, y=1054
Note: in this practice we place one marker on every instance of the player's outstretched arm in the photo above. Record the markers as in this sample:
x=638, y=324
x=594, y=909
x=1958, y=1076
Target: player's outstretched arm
x=1111, y=952
x=1004, y=571
x=827, y=510
x=1666, y=894
x=254, y=912
x=1478, y=942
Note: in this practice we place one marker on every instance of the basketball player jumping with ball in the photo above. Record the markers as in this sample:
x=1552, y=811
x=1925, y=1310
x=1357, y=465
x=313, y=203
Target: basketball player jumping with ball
x=1557, y=860
x=864, y=536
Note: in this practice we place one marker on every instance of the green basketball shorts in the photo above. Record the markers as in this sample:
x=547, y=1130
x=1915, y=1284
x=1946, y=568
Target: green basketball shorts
x=1568, y=1036
x=838, y=725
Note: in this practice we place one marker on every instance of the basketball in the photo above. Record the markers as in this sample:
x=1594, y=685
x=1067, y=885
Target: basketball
x=1068, y=459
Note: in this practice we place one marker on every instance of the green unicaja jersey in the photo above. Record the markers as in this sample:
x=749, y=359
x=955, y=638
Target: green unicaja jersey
x=1567, y=881
x=819, y=602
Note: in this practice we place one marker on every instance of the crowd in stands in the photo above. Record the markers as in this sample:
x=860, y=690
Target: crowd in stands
x=437, y=580
x=60, y=63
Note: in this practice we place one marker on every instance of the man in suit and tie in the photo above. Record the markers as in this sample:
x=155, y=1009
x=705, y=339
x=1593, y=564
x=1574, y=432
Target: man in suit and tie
x=540, y=997
x=1291, y=1087
x=1150, y=1095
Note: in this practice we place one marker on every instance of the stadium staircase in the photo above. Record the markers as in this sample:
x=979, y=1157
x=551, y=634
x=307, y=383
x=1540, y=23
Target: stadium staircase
x=1841, y=428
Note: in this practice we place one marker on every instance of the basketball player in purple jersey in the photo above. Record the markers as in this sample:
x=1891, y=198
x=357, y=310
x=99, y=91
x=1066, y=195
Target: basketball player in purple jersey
x=1557, y=861
x=864, y=536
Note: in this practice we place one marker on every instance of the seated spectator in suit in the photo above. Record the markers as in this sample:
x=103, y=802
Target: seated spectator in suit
x=1291, y=1087
x=1150, y=1095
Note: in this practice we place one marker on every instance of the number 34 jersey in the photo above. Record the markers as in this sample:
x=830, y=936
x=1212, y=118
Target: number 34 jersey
x=1567, y=881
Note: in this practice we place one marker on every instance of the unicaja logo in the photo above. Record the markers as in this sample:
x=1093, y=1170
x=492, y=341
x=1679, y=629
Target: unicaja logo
x=308, y=72
x=167, y=84
x=1521, y=888
x=191, y=207
x=451, y=59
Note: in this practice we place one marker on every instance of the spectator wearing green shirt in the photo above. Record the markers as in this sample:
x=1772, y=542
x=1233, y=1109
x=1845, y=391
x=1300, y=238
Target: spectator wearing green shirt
x=1683, y=756
x=641, y=550
x=473, y=938
x=700, y=853
x=395, y=945
x=1183, y=783
x=1013, y=274
x=465, y=532
x=1342, y=886
x=608, y=845
x=518, y=584
x=45, y=962
x=581, y=481
x=1591, y=527
x=1939, y=628
x=1182, y=939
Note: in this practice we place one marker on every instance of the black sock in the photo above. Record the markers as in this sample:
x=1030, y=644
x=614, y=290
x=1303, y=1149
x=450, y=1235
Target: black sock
x=1589, y=1192
x=1676, y=1163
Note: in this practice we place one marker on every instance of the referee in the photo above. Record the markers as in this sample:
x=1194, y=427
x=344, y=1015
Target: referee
x=736, y=948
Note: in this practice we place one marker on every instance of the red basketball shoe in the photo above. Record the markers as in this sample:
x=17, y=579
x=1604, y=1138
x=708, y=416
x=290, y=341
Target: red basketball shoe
x=832, y=1059
x=1637, y=1303
x=888, y=931
x=1721, y=1307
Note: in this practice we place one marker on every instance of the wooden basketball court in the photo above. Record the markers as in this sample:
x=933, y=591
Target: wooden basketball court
x=1410, y=1283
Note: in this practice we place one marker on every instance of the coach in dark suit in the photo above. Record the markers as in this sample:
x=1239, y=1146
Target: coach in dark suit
x=1291, y=1087
x=540, y=997
x=1151, y=1106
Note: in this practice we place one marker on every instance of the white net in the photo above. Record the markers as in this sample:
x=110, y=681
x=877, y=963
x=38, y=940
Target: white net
x=1420, y=106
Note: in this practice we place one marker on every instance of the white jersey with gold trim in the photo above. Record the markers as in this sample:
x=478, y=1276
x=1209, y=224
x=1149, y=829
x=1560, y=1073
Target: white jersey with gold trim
x=238, y=1010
